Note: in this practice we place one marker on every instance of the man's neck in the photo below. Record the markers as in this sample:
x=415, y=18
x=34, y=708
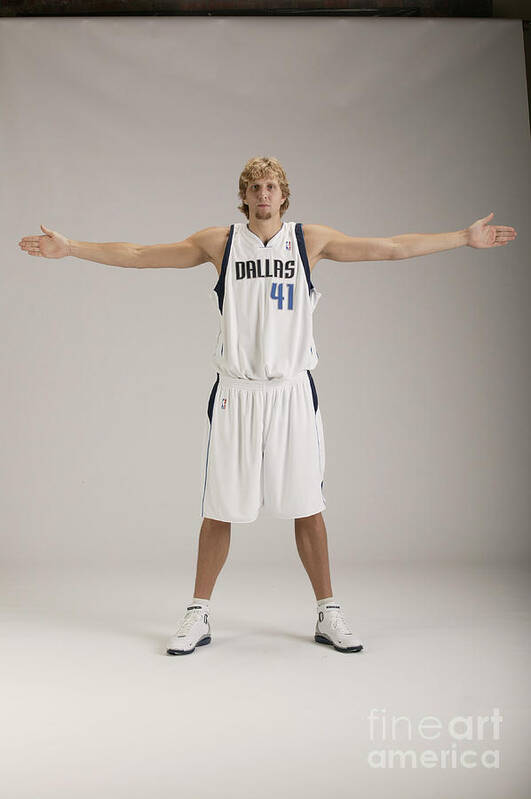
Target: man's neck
x=265, y=229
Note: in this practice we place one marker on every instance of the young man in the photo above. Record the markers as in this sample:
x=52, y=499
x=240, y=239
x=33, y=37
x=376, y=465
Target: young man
x=264, y=444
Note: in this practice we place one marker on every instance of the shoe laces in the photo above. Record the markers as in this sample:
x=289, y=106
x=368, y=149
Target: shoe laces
x=338, y=621
x=188, y=621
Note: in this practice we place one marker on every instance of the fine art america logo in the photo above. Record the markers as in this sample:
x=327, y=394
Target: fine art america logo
x=466, y=741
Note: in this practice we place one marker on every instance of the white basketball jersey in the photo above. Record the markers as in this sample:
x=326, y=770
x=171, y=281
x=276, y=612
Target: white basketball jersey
x=265, y=300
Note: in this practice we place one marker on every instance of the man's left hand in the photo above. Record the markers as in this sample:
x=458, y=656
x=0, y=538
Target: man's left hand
x=482, y=235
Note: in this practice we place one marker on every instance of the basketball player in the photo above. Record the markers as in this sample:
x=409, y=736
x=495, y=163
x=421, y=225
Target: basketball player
x=264, y=448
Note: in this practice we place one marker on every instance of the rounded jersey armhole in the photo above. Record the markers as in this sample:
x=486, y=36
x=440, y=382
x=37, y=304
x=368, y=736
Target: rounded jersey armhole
x=304, y=255
x=219, y=288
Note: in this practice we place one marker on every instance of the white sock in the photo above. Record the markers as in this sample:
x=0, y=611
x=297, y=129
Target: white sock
x=202, y=602
x=326, y=601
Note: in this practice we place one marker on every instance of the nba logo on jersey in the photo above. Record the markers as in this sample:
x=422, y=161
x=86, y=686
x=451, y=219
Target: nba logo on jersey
x=223, y=403
x=288, y=245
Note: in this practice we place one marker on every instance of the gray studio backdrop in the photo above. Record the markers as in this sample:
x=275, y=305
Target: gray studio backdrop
x=136, y=130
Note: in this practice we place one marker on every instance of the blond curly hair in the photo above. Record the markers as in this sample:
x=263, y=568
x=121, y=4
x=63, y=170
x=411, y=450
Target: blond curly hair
x=261, y=167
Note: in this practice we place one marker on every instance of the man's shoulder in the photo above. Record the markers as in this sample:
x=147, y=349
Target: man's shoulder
x=312, y=228
x=212, y=232
x=316, y=238
x=215, y=232
x=315, y=234
x=212, y=241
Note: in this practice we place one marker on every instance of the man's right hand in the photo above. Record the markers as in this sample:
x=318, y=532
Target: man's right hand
x=51, y=245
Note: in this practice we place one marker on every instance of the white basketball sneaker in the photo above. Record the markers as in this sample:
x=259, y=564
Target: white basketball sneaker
x=332, y=629
x=194, y=630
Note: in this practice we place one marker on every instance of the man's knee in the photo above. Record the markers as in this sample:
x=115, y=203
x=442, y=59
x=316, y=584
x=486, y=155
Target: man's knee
x=215, y=522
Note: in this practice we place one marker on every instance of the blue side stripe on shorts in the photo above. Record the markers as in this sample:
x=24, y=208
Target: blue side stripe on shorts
x=315, y=406
x=210, y=407
x=210, y=411
x=314, y=391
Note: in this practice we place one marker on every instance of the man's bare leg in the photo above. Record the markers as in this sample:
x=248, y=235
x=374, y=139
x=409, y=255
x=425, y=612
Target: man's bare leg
x=213, y=548
x=312, y=545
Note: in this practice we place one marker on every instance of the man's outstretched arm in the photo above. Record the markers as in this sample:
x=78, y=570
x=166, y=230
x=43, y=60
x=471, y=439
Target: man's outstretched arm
x=198, y=248
x=336, y=246
x=480, y=235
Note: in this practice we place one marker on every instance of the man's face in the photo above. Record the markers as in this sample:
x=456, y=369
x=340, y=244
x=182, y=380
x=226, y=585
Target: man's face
x=264, y=198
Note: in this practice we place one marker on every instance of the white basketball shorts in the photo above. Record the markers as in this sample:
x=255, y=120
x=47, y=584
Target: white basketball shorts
x=263, y=449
